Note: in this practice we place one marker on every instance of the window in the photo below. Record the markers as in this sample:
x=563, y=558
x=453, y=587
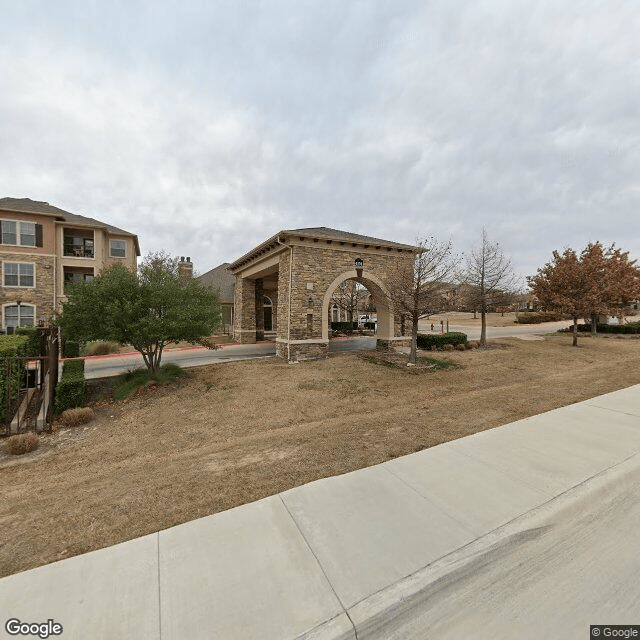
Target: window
x=117, y=249
x=9, y=232
x=23, y=234
x=78, y=244
x=19, y=274
x=15, y=316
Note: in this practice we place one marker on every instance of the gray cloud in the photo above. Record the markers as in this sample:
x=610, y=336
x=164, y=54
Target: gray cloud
x=208, y=127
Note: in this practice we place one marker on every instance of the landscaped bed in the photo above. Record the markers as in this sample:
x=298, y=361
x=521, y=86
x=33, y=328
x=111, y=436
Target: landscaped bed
x=232, y=433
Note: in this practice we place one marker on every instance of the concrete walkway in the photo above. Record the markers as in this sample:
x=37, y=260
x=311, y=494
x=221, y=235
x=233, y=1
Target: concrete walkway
x=358, y=556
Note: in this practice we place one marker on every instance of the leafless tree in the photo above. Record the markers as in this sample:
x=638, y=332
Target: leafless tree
x=490, y=277
x=418, y=288
x=349, y=296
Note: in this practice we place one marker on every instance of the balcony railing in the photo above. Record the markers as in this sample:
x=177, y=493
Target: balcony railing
x=76, y=251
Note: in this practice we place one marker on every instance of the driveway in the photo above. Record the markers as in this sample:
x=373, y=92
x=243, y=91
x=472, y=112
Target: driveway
x=514, y=331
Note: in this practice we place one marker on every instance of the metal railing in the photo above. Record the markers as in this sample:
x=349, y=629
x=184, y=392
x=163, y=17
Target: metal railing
x=26, y=397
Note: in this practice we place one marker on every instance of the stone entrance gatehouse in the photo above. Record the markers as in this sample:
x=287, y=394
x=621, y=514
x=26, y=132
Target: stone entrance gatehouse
x=285, y=284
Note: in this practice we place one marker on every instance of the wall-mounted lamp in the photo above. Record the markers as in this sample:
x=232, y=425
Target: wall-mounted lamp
x=359, y=266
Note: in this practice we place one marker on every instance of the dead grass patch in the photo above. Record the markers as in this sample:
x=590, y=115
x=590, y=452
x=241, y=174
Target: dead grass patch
x=229, y=434
x=21, y=443
x=75, y=417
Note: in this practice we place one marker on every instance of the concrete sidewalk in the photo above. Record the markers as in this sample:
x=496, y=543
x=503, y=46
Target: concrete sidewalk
x=341, y=555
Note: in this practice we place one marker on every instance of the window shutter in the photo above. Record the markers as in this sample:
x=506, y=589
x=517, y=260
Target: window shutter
x=39, y=242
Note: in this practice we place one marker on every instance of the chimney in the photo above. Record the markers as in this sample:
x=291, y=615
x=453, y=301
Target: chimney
x=185, y=268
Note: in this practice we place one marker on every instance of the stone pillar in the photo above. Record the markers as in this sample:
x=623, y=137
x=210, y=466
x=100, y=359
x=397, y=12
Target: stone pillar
x=282, y=328
x=244, y=326
x=259, y=302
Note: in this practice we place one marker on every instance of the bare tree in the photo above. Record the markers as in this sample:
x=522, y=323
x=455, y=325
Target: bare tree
x=490, y=277
x=349, y=296
x=417, y=288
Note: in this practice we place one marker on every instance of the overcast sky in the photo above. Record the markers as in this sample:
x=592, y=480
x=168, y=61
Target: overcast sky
x=205, y=127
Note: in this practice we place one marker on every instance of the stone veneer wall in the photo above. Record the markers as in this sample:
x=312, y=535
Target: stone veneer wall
x=42, y=296
x=320, y=266
x=245, y=311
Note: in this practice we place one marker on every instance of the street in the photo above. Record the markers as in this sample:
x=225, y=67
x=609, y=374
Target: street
x=112, y=365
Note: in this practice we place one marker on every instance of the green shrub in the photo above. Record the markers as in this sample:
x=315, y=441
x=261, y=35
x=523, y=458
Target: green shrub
x=606, y=328
x=71, y=391
x=71, y=349
x=11, y=346
x=427, y=341
x=73, y=367
x=33, y=345
x=345, y=327
x=133, y=380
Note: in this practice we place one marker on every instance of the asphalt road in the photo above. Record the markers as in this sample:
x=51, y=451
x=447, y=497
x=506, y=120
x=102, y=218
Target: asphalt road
x=102, y=367
x=512, y=331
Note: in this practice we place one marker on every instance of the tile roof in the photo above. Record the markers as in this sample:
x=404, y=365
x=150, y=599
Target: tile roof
x=26, y=205
x=326, y=232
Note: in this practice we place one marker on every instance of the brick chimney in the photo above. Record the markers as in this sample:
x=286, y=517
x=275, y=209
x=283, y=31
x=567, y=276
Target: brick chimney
x=185, y=268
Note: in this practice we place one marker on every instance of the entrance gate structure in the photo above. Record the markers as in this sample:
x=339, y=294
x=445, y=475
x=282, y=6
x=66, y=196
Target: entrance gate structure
x=297, y=271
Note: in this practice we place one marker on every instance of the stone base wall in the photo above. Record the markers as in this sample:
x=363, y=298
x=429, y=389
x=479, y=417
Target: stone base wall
x=42, y=296
x=386, y=345
x=302, y=351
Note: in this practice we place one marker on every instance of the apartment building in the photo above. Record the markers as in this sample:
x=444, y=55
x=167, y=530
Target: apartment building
x=42, y=248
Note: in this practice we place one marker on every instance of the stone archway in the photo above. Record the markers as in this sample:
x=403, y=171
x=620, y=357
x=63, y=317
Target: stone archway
x=380, y=295
x=300, y=269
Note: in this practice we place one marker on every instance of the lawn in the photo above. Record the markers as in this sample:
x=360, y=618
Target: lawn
x=232, y=433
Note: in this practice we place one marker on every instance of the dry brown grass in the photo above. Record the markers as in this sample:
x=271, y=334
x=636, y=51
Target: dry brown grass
x=241, y=431
x=21, y=443
x=76, y=417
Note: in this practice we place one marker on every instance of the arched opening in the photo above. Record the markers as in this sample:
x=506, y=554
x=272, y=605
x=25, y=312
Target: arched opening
x=18, y=315
x=378, y=298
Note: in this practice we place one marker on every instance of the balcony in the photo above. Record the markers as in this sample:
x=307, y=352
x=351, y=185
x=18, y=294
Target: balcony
x=72, y=275
x=78, y=243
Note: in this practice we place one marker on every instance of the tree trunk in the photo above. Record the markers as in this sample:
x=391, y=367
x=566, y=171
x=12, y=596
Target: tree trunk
x=414, y=341
x=594, y=324
x=483, y=327
x=575, y=331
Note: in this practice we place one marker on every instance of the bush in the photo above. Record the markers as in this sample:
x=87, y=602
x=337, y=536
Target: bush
x=606, y=328
x=133, y=380
x=71, y=391
x=33, y=344
x=73, y=367
x=22, y=443
x=11, y=346
x=102, y=349
x=344, y=327
x=71, y=349
x=437, y=341
x=535, y=317
x=77, y=416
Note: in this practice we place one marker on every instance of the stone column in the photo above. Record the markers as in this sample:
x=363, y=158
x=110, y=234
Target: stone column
x=244, y=326
x=259, y=286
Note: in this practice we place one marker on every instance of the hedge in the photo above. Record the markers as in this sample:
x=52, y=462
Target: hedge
x=10, y=346
x=426, y=341
x=33, y=346
x=71, y=391
x=71, y=349
x=536, y=317
x=607, y=328
x=344, y=326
